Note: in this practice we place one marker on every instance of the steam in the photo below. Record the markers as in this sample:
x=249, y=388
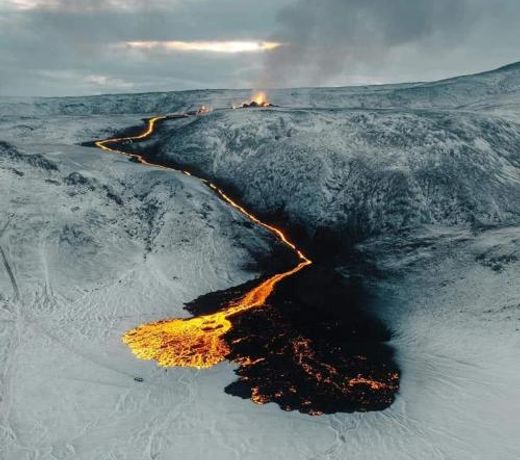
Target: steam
x=322, y=39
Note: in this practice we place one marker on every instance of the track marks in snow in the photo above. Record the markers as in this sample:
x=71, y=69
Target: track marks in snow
x=6, y=263
x=10, y=273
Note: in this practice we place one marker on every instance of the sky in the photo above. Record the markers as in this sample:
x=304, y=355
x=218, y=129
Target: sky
x=79, y=47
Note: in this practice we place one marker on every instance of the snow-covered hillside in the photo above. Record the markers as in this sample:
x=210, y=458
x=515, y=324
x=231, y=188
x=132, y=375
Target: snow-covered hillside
x=481, y=90
x=424, y=178
x=91, y=245
x=360, y=172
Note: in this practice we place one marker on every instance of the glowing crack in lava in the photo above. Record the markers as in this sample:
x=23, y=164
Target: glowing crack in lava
x=197, y=342
x=334, y=361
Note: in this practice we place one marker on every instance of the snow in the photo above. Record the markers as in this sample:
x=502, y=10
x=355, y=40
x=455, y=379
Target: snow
x=360, y=172
x=480, y=90
x=64, y=129
x=424, y=180
x=85, y=269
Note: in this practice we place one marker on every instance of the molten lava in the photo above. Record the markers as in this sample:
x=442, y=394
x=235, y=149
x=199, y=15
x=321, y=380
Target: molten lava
x=201, y=110
x=197, y=342
x=259, y=99
x=316, y=374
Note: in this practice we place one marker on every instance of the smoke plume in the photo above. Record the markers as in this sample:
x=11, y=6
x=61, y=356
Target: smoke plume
x=326, y=37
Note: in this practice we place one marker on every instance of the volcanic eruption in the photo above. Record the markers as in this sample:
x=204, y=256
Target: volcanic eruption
x=259, y=99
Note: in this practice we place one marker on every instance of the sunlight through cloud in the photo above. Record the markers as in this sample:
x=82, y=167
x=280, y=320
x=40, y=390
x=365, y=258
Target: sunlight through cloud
x=84, y=6
x=208, y=46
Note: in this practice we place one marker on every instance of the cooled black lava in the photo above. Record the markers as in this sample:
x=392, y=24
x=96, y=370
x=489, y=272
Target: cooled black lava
x=311, y=344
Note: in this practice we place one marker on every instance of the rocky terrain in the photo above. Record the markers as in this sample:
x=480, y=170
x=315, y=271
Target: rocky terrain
x=417, y=184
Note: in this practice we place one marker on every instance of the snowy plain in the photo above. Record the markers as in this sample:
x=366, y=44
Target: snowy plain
x=422, y=180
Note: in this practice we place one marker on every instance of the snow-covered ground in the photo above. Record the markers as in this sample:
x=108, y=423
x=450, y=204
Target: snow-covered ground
x=360, y=171
x=91, y=246
x=424, y=177
x=497, y=89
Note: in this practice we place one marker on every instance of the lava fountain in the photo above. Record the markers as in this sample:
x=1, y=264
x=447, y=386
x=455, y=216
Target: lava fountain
x=258, y=99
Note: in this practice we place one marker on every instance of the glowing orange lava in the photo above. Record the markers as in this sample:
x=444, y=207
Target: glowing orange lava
x=197, y=342
x=203, y=109
x=260, y=97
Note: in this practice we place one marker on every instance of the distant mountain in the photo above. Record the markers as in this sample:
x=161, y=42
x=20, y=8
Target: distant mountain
x=487, y=90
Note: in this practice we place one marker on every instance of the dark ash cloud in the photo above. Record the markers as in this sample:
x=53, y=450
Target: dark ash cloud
x=328, y=38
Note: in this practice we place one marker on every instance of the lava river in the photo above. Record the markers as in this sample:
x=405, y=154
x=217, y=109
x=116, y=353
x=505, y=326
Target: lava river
x=278, y=361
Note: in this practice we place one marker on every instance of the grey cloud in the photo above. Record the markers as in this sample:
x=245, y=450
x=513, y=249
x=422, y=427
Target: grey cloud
x=55, y=52
x=330, y=37
x=60, y=51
